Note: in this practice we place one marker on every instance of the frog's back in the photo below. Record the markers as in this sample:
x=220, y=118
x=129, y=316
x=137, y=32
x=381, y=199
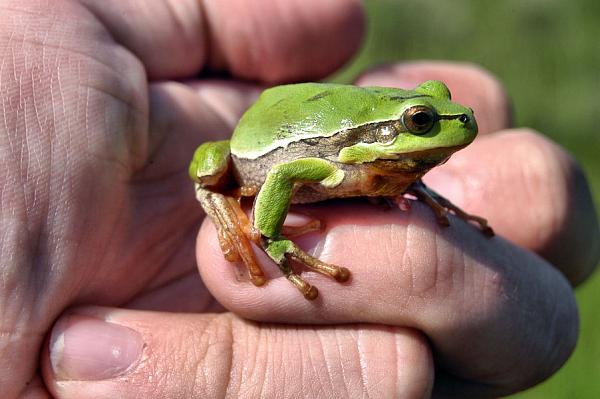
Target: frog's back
x=285, y=114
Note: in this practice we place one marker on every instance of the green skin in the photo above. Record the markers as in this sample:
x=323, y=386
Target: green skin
x=312, y=141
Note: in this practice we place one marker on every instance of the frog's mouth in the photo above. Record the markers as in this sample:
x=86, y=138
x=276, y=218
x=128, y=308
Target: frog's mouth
x=416, y=161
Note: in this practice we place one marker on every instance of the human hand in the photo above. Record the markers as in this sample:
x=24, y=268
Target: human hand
x=98, y=129
x=109, y=220
x=496, y=314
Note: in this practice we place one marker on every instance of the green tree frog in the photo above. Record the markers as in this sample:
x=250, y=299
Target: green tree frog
x=309, y=142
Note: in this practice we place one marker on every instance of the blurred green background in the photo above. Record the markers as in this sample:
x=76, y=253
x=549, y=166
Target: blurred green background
x=547, y=53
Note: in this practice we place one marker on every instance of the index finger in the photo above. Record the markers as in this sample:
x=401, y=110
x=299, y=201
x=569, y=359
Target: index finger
x=266, y=40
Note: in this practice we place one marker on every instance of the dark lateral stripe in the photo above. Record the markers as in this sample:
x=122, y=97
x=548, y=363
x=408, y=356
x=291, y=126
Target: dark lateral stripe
x=401, y=98
x=320, y=95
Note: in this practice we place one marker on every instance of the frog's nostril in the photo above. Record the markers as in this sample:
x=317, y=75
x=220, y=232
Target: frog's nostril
x=463, y=118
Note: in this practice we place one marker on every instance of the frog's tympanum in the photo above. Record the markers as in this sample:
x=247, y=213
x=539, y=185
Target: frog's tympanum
x=309, y=142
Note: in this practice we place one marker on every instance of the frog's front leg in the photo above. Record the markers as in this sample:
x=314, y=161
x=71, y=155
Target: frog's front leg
x=210, y=169
x=441, y=206
x=271, y=207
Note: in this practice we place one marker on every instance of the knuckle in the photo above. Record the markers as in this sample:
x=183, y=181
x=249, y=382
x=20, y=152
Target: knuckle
x=543, y=176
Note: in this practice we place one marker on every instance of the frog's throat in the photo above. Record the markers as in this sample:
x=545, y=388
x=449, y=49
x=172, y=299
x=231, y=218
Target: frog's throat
x=415, y=162
x=432, y=153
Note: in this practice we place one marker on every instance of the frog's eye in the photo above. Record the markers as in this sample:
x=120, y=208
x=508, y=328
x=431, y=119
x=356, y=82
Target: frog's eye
x=418, y=119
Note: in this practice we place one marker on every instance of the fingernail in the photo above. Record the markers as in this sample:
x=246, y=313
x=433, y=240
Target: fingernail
x=90, y=349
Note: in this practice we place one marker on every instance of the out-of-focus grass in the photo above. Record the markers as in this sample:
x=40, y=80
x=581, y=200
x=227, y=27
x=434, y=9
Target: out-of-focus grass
x=547, y=53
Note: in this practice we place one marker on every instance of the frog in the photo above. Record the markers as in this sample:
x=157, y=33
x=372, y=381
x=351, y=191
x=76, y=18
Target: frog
x=308, y=142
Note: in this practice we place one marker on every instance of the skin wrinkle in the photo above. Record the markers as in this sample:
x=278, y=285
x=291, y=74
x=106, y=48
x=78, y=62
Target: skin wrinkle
x=219, y=108
x=268, y=360
x=347, y=388
x=234, y=371
x=120, y=35
x=100, y=61
x=364, y=379
x=22, y=162
x=163, y=283
x=249, y=360
x=307, y=369
x=407, y=259
x=398, y=364
x=525, y=176
x=532, y=177
x=389, y=234
x=223, y=332
x=417, y=288
x=294, y=351
x=275, y=360
x=559, y=195
x=219, y=326
x=200, y=361
x=307, y=357
x=326, y=382
x=255, y=53
x=302, y=356
x=328, y=366
x=170, y=6
x=353, y=349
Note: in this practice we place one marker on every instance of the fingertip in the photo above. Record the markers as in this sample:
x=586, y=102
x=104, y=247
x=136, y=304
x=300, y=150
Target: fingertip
x=415, y=363
x=284, y=40
x=531, y=191
x=278, y=298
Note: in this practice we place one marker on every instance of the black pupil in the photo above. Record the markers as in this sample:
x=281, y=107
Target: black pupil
x=421, y=118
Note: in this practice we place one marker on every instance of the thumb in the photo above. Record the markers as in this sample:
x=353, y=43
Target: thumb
x=107, y=353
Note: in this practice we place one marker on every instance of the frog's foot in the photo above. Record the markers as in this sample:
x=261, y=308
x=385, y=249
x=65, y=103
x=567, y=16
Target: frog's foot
x=310, y=227
x=234, y=230
x=441, y=206
x=281, y=250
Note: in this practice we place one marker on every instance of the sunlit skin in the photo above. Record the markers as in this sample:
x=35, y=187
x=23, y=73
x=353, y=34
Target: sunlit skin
x=103, y=105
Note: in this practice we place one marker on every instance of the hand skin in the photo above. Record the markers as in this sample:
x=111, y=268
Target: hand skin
x=101, y=113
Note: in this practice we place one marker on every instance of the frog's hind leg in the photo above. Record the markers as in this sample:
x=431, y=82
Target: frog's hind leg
x=211, y=170
x=271, y=207
x=234, y=230
x=440, y=206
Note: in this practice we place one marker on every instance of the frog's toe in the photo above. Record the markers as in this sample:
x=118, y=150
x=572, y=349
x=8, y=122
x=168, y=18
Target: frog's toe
x=281, y=250
x=258, y=280
x=442, y=219
x=488, y=231
x=340, y=274
x=310, y=292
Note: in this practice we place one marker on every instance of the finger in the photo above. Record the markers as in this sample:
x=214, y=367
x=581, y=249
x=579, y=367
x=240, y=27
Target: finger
x=267, y=40
x=105, y=353
x=184, y=293
x=184, y=115
x=469, y=84
x=532, y=192
x=497, y=315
